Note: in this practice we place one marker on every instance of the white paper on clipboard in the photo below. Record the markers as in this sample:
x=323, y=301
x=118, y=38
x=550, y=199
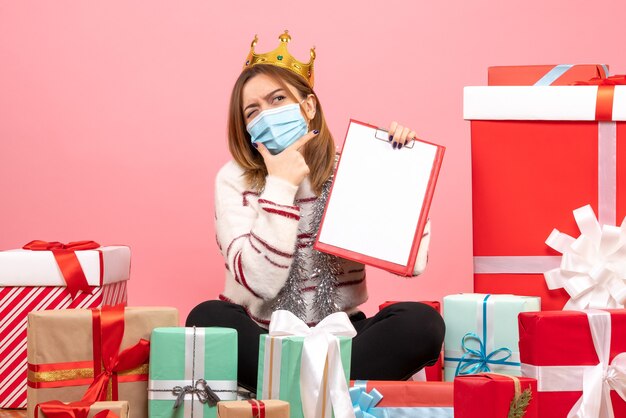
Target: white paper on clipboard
x=377, y=196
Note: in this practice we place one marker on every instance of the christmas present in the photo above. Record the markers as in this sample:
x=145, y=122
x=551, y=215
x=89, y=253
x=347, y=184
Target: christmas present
x=397, y=399
x=492, y=395
x=253, y=408
x=191, y=369
x=539, y=152
x=92, y=354
x=578, y=359
x=544, y=75
x=482, y=334
x=432, y=373
x=298, y=364
x=57, y=409
x=45, y=276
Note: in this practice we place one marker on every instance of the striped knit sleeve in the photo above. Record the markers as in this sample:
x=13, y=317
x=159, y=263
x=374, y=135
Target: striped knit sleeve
x=257, y=241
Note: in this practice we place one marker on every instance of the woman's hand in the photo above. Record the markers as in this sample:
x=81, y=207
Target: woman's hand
x=400, y=135
x=289, y=164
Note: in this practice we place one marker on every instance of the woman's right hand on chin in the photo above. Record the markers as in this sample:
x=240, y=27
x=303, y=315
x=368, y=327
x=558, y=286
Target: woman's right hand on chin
x=289, y=164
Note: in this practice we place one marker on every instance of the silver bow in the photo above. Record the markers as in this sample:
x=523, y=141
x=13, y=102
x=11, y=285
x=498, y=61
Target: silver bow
x=201, y=389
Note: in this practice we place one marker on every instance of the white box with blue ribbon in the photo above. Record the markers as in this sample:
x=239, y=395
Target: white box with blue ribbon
x=482, y=333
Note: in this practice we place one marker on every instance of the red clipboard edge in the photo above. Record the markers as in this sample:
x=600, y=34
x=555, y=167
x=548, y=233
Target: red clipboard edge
x=376, y=262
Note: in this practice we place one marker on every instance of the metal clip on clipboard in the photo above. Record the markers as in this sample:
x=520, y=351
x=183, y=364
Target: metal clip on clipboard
x=383, y=135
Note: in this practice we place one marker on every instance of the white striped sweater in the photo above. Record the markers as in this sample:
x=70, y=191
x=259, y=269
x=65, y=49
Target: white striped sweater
x=258, y=233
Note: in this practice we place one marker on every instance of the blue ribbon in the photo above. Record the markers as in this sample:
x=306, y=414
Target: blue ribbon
x=478, y=360
x=364, y=403
x=552, y=75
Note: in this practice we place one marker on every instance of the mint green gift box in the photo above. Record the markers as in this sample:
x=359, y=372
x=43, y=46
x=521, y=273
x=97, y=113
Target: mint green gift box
x=482, y=333
x=181, y=360
x=279, y=369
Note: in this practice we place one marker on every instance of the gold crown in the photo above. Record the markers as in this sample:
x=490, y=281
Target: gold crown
x=282, y=58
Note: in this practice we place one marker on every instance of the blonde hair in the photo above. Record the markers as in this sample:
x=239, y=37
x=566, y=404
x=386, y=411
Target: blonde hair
x=319, y=153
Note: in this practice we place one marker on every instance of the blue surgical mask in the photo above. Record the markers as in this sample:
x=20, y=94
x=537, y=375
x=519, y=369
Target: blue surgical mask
x=278, y=128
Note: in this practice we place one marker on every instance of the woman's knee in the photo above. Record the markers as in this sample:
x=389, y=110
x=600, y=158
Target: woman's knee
x=421, y=322
x=211, y=313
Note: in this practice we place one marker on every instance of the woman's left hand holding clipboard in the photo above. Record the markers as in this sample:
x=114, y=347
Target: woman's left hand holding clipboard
x=400, y=135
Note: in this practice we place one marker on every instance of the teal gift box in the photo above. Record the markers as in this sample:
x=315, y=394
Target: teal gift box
x=188, y=367
x=482, y=333
x=279, y=368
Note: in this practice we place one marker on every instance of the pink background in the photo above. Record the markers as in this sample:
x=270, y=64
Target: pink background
x=113, y=114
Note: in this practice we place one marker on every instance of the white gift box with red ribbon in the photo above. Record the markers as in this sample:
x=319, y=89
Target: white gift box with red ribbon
x=33, y=281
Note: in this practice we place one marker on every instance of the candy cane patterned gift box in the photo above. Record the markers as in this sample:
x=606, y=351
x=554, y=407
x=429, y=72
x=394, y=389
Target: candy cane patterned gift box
x=51, y=275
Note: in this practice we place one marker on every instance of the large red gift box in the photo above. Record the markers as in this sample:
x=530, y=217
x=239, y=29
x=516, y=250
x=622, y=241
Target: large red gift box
x=489, y=395
x=544, y=75
x=33, y=280
x=432, y=373
x=559, y=349
x=538, y=153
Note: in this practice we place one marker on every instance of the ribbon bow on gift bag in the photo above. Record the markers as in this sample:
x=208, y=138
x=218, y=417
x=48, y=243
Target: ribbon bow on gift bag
x=321, y=371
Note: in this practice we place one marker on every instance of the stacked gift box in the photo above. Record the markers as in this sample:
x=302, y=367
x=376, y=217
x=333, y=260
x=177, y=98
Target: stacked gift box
x=538, y=153
x=92, y=354
x=545, y=159
x=71, y=349
x=42, y=276
x=546, y=148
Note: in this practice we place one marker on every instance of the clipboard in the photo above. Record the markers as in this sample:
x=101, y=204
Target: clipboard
x=379, y=201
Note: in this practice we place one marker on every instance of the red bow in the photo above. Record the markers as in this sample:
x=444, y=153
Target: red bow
x=80, y=409
x=108, y=330
x=606, y=89
x=68, y=262
x=614, y=80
